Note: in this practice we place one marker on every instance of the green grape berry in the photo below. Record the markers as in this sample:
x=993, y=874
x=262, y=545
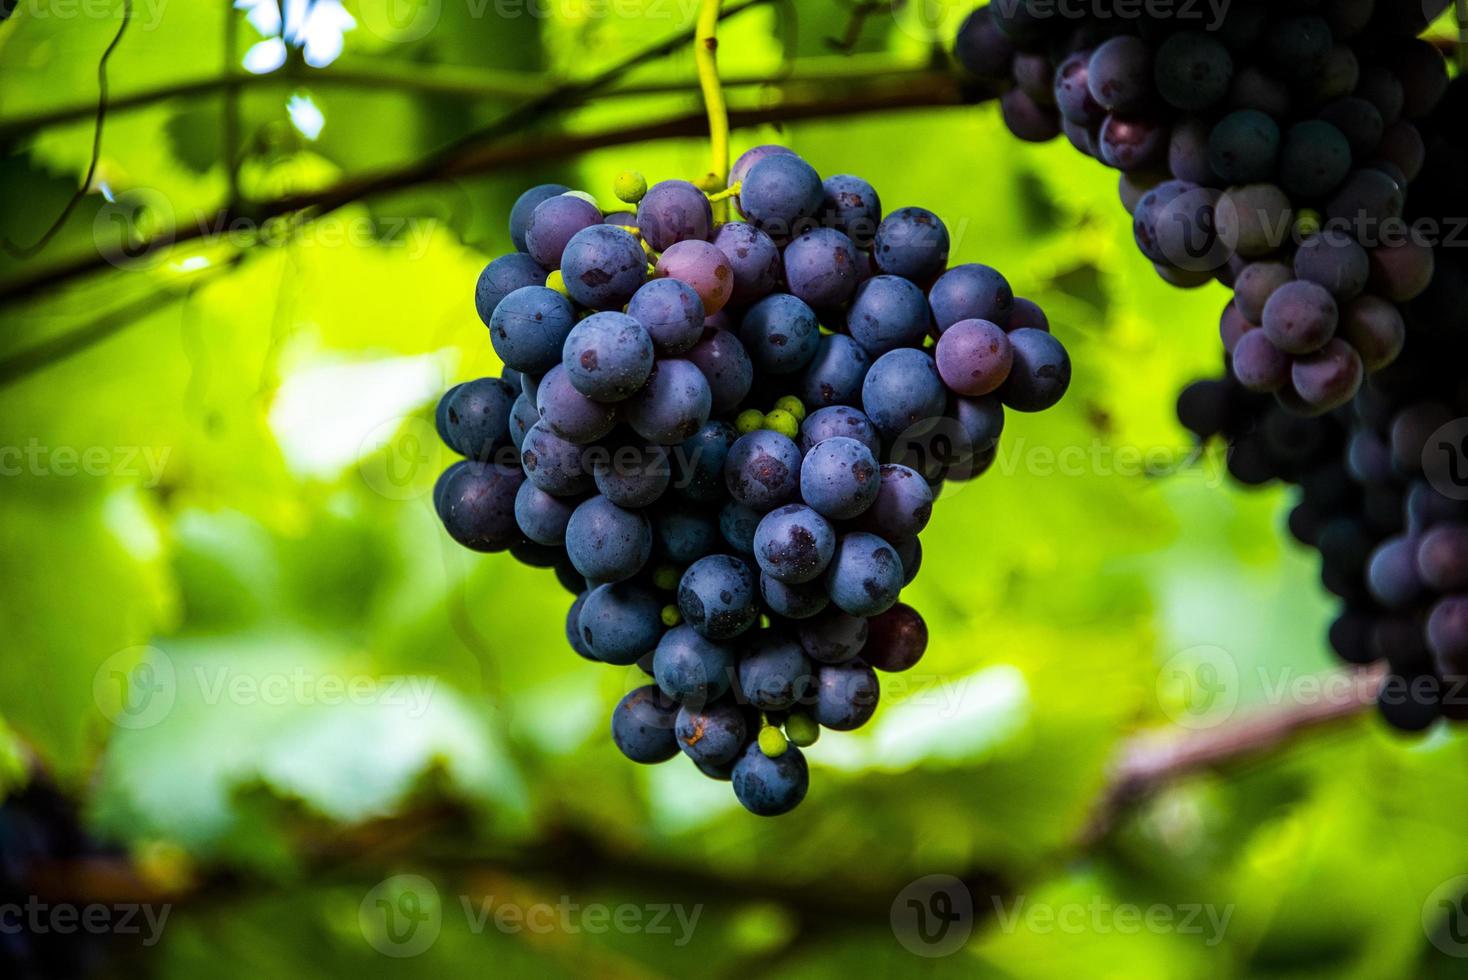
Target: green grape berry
x=630, y=186
x=554, y=280
x=585, y=197
x=792, y=405
x=802, y=730
x=749, y=420
x=772, y=741
x=666, y=577
x=783, y=422
x=671, y=616
x=1307, y=222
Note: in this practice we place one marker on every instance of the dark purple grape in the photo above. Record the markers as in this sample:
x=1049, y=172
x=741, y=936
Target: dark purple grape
x=1392, y=575
x=1244, y=146
x=851, y=205
x=553, y=464
x=981, y=47
x=835, y=374
x=839, y=478
x=608, y=543
x=754, y=260
x=1366, y=200
x=845, y=695
x=474, y=418
x=1132, y=143
x=980, y=423
x=603, y=267
x=1333, y=260
x=1401, y=270
x=1254, y=220
x=1072, y=93
x=1359, y=122
x=1256, y=283
x=1193, y=71
x=1254, y=88
x=1442, y=558
x=888, y=312
x=780, y=194
x=700, y=463
x=525, y=206
x=1026, y=118
x=726, y=365
x=621, y=623
x=821, y=268
x=793, y=601
x=838, y=420
x=903, y=505
x=1328, y=378
x=717, y=597
x=974, y=357
x=1402, y=144
x=573, y=620
x=501, y=278
x=775, y=674
x=1375, y=329
x=1300, y=317
x=865, y=575
x=569, y=413
x=1026, y=314
x=540, y=516
x=713, y=735
x=672, y=406
x=1187, y=152
x=553, y=223
x=1040, y=375
x=737, y=524
x=896, y=640
x=754, y=155
x=971, y=292
x=528, y=328
x=477, y=506
x=1383, y=89
x=671, y=312
x=903, y=388
x=642, y=726
x=691, y=669
x=522, y=416
x=780, y=333
x=793, y=544
x=684, y=533
x=631, y=475
x=674, y=211
x=1258, y=364
x=912, y=243
x=769, y=787
x=1120, y=75
x=833, y=637
x=1314, y=158
x=1297, y=47
x=607, y=356
x=762, y=470
x=1424, y=75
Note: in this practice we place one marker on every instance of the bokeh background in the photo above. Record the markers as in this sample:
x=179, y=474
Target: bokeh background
x=247, y=684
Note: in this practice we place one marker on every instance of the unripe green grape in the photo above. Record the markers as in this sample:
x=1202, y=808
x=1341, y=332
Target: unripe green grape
x=630, y=186
x=783, y=422
x=749, y=420
x=772, y=741
x=802, y=730
x=792, y=405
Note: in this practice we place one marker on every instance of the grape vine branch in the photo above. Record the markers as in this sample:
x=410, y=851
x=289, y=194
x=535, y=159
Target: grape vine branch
x=428, y=839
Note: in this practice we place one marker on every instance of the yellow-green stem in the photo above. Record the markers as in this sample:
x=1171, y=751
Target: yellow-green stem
x=1463, y=35
x=706, y=58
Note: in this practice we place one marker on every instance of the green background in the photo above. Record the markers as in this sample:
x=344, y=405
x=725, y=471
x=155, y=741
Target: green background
x=326, y=693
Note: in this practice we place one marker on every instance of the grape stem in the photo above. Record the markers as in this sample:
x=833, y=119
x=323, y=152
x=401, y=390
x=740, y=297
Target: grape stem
x=706, y=58
x=728, y=192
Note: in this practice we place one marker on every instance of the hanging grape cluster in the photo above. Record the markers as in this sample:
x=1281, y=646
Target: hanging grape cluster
x=726, y=437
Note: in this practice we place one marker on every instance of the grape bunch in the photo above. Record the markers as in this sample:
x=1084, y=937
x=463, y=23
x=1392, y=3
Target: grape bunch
x=1272, y=149
x=725, y=438
x=1383, y=481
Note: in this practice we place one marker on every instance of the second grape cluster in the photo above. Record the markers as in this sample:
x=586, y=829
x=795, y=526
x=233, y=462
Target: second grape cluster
x=726, y=437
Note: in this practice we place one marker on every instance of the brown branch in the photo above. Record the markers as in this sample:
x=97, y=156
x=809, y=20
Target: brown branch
x=427, y=838
x=931, y=89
